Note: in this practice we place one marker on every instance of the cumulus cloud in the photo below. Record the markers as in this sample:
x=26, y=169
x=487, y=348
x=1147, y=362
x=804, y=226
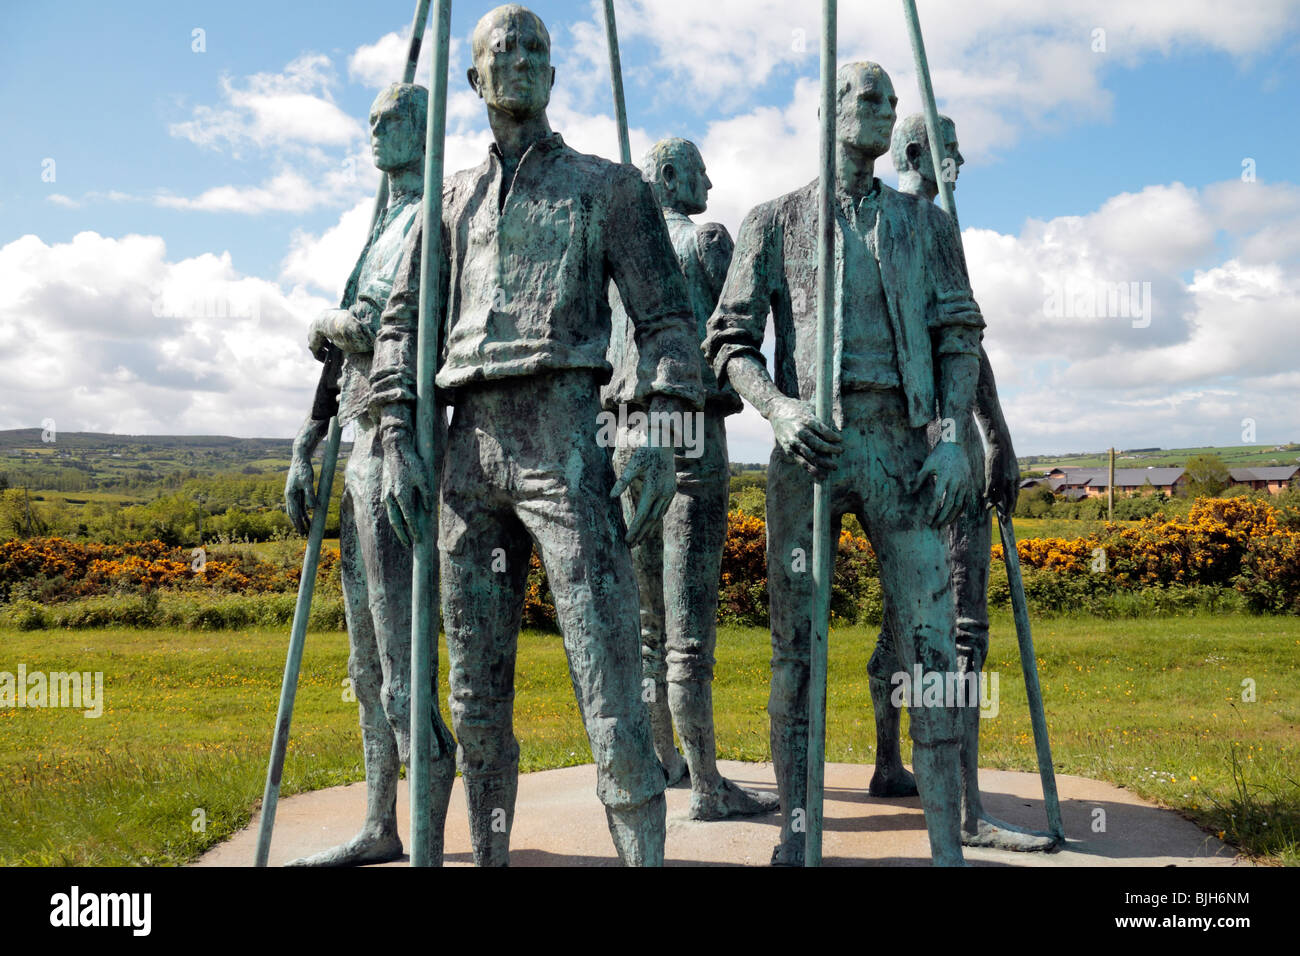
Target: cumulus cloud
x=106, y=334
x=1219, y=350
x=1003, y=66
x=292, y=108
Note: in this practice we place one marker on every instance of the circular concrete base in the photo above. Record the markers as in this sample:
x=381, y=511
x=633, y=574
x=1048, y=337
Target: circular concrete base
x=559, y=822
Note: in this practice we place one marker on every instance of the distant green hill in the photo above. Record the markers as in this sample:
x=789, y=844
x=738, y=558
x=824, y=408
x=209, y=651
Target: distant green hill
x=1232, y=456
x=90, y=461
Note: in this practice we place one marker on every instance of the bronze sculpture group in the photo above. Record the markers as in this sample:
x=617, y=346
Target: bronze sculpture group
x=573, y=288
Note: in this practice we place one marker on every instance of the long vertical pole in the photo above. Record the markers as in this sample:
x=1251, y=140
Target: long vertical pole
x=932, y=130
x=424, y=587
x=297, y=639
x=616, y=79
x=1019, y=605
x=822, y=545
x=316, y=533
x=1029, y=668
x=1110, y=489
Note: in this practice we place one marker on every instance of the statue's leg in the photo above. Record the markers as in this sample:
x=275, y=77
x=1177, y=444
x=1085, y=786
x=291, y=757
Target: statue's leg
x=891, y=778
x=915, y=577
x=484, y=567
x=388, y=565
x=970, y=544
x=790, y=594
x=648, y=560
x=694, y=531
x=562, y=496
x=378, y=841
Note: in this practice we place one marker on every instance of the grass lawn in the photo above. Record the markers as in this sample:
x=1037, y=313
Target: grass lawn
x=177, y=761
x=1067, y=528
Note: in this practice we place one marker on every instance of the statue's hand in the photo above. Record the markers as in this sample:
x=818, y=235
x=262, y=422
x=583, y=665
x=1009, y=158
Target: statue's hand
x=347, y=329
x=300, y=492
x=405, y=489
x=1001, y=475
x=652, y=467
x=318, y=334
x=804, y=436
x=624, y=447
x=954, y=486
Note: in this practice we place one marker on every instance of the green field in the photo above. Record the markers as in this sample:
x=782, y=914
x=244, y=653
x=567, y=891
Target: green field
x=1153, y=704
x=1234, y=456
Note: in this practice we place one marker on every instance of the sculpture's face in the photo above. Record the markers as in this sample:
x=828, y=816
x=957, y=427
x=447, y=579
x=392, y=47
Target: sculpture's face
x=865, y=112
x=924, y=162
x=512, y=68
x=693, y=183
x=394, y=140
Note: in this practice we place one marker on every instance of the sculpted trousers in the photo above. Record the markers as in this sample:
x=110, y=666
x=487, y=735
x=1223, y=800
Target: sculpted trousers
x=881, y=457
x=523, y=467
x=677, y=568
x=376, y=572
x=970, y=542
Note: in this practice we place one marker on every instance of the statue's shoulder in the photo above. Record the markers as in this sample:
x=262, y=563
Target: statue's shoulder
x=919, y=209
x=463, y=182
x=782, y=212
x=596, y=172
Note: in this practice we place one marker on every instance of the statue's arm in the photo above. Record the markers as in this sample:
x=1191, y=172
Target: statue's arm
x=957, y=326
x=1001, y=469
x=300, y=485
x=644, y=267
x=392, y=370
x=734, y=342
x=407, y=481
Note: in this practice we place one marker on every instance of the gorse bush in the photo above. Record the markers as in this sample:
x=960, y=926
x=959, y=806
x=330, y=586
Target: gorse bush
x=1224, y=554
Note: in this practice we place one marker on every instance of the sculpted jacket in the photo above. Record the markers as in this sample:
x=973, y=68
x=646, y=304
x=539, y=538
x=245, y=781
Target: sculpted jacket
x=704, y=254
x=931, y=310
x=525, y=281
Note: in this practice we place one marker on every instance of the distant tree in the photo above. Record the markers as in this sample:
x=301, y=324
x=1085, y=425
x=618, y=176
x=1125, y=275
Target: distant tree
x=1207, y=475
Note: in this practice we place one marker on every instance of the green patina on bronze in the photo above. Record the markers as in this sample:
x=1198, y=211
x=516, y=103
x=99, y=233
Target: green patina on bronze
x=969, y=544
x=531, y=241
x=678, y=565
x=376, y=565
x=905, y=341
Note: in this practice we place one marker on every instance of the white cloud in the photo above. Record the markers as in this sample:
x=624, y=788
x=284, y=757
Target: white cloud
x=377, y=64
x=1220, y=347
x=1003, y=66
x=107, y=334
x=326, y=261
x=293, y=108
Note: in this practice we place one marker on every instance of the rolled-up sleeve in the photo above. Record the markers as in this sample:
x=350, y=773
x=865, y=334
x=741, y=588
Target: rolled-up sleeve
x=392, y=372
x=644, y=267
x=738, y=323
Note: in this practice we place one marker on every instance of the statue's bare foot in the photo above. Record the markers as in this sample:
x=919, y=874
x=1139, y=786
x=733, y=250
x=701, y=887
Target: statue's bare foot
x=730, y=800
x=996, y=835
x=788, y=853
x=892, y=781
x=675, y=769
x=364, y=848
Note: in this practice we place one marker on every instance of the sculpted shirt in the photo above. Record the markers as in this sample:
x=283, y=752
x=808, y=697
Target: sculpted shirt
x=704, y=254
x=864, y=352
x=374, y=283
x=928, y=304
x=525, y=271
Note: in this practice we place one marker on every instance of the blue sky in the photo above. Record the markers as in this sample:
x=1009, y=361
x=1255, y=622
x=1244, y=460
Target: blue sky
x=240, y=173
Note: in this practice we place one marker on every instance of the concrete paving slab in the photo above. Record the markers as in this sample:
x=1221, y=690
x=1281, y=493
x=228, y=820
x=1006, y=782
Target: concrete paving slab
x=559, y=822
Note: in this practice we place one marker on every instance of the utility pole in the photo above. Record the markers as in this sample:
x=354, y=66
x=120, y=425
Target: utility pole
x=1110, y=489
